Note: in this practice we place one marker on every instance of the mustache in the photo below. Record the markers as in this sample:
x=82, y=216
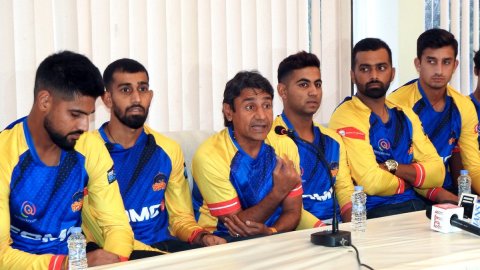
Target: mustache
x=135, y=107
x=79, y=132
x=373, y=82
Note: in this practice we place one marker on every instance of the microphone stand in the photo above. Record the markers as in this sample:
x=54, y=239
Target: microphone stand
x=335, y=237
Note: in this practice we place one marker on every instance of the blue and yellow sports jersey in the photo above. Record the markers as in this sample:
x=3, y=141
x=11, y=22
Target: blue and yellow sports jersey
x=476, y=103
x=227, y=179
x=154, y=188
x=454, y=129
x=39, y=204
x=369, y=142
x=317, y=190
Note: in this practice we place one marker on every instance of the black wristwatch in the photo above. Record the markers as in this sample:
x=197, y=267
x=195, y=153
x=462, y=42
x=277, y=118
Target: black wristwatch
x=391, y=165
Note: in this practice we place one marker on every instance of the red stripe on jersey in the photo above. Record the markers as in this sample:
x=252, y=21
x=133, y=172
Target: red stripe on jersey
x=319, y=224
x=420, y=178
x=432, y=193
x=224, y=208
x=401, y=185
x=346, y=207
x=56, y=262
x=298, y=190
x=351, y=132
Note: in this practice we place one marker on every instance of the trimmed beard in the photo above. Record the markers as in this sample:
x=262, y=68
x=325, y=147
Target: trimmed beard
x=57, y=138
x=135, y=121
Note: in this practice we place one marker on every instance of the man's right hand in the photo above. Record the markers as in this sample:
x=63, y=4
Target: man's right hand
x=285, y=177
x=101, y=257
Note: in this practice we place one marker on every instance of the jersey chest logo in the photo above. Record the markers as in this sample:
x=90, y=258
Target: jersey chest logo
x=159, y=182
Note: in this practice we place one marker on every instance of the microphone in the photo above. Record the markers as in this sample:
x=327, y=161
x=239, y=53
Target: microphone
x=335, y=237
x=279, y=130
x=445, y=218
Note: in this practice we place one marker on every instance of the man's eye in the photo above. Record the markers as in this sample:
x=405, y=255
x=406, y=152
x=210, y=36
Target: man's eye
x=143, y=89
x=303, y=85
x=125, y=89
x=249, y=107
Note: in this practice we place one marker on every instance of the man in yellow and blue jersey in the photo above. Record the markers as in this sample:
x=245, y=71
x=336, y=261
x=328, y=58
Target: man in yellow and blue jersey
x=323, y=159
x=475, y=96
x=150, y=169
x=48, y=165
x=447, y=116
x=388, y=153
x=247, y=181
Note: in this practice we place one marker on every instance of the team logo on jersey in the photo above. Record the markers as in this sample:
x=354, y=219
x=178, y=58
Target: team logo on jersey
x=28, y=210
x=159, y=182
x=111, y=177
x=334, y=168
x=451, y=140
x=77, y=203
x=383, y=144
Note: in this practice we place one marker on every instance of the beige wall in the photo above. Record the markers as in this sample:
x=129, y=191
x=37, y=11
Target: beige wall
x=411, y=23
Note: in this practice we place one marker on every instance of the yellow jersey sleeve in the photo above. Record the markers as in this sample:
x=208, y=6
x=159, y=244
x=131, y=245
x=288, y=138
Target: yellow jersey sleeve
x=351, y=121
x=178, y=199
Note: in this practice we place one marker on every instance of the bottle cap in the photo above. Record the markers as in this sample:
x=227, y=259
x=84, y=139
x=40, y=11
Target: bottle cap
x=463, y=172
x=75, y=230
x=358, y=188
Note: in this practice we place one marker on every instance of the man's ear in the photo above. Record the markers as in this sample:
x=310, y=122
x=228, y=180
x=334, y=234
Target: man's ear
x=44, y=100
x=416, y=62
x=352, y=76
x=107, y=99
x=282, y=90
x=227, y=112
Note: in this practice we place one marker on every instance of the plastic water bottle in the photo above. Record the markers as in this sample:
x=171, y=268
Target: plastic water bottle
x=77, y=255
x=359, y=210
x=464, y=183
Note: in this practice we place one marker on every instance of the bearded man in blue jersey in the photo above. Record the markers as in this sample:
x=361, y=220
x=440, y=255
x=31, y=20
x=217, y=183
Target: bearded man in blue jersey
x=150, y=169
x=48, y=165
x=388, y=153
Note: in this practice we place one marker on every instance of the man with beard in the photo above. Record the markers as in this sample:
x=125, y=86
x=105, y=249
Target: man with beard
x=246, y=183
x=46, y=167
x=150, y=169
x=447, y=116
x=387, y=150
x=323, y=159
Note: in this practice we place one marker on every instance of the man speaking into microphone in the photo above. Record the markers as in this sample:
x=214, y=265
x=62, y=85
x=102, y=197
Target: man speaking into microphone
x=323, y=160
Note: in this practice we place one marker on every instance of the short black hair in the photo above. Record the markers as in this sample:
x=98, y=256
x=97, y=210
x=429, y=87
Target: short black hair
x=122, y=65
x=436, y=38
x=68, y=74
x=299, y=60
x=476, y=60
x=241, y=81
x=370, y=44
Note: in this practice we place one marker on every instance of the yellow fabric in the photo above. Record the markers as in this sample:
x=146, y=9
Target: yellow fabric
x=409, y=94
x=364, y=168
x=178, y=200
x=102, y=197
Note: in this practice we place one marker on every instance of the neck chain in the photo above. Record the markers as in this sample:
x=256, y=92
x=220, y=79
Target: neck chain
x=107, y=129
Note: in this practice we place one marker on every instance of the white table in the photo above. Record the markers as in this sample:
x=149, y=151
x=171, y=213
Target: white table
x=395, y=242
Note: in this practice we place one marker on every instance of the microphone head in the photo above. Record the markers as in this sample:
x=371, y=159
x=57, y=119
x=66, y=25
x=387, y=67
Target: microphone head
x=281, y=130
x=441, y=214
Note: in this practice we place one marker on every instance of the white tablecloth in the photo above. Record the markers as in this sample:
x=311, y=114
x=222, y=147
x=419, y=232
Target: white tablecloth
x=395, y=242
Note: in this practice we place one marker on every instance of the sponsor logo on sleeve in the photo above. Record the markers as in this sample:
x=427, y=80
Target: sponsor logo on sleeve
x=111, y=176
x=27, y=212
x=351, y=132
